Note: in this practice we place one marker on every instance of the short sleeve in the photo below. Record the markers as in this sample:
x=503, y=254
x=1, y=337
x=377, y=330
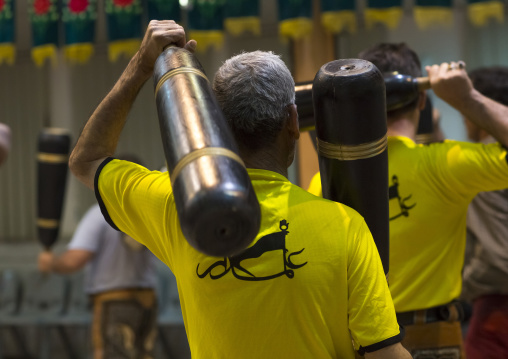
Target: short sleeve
x=372, y=319
x=138, y=202
x=315, y=185
x=469, y=168
x=89, y=231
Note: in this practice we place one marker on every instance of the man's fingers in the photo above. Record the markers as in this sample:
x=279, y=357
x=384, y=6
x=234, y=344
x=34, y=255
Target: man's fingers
x=432, y=71
x=165, y=36
x=443, y=68
x=459, y=65
x=191, y=45
x=163, y=22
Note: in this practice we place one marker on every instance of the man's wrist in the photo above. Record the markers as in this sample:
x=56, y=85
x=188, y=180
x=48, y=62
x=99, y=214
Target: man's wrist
x=139, y=71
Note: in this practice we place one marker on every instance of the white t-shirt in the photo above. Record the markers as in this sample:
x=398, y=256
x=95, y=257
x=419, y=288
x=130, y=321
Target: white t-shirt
x=114, y=265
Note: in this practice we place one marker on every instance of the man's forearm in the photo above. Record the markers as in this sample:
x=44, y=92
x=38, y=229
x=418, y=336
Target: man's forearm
x=395, y=351
x=68, y=262
x=487, y=114
x=61, y=266
x=101, y=133
x=452, y=85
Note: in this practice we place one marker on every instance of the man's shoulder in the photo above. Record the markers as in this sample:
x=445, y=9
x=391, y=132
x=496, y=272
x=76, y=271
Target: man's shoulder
x=430, y=154
x=324, y=206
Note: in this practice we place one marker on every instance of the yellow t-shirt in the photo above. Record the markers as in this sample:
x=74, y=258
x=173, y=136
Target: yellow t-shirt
x=430, y=189
x=318, y=283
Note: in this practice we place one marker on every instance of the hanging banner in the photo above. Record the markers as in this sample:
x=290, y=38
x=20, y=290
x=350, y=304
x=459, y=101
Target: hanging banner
x=206, y=23
x=481, y=11
x=79, y=18
x=123, y=18
x=387, y=12
x=433, y=12
x=44, y=17
x=7, y=49
x=338, y=15
x=242, y=16
x=164, y=10
x=295, y=18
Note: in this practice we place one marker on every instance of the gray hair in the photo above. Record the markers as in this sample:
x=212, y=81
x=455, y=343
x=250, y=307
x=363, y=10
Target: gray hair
x=253, y=90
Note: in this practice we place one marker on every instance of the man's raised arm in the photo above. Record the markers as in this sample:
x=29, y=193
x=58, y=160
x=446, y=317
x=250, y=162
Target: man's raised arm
x=102, y=131
x=452, y=84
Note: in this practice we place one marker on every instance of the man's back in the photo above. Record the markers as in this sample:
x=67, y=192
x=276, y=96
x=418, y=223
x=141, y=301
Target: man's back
x=293, y=292
x=430, y=189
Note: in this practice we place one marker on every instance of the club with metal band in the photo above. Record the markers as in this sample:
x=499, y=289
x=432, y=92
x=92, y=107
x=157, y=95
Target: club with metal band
x=304, y=106
x=303, y=100
x=350, y=111
x=401, y=90
x=218, y=210
x=52, y=165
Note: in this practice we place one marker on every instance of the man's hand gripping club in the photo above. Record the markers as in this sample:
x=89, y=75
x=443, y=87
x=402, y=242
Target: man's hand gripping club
x=101, y=133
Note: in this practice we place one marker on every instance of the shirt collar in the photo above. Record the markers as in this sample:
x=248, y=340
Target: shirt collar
x=406, y=140
x=259, y=174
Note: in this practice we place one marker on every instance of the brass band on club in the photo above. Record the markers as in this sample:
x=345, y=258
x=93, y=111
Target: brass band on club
x=253, y=179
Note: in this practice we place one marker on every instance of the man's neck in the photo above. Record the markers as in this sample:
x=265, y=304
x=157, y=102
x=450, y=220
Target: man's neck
x=266, y=159
x=486, y=138
x=402, y=126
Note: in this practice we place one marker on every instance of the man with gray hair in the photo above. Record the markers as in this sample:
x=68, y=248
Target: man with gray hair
x=315, y=291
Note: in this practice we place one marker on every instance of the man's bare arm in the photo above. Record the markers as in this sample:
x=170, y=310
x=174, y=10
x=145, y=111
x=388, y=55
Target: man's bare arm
x=455, y=87
x=102, y=131
x=5, y=142
x=68, y=262
x=395, y=351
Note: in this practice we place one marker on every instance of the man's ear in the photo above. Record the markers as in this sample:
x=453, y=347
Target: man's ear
x=422, y=99
x=292, y=121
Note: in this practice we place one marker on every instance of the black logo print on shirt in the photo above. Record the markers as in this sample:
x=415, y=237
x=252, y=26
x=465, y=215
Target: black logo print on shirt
x=271, y=242
x=393, y=192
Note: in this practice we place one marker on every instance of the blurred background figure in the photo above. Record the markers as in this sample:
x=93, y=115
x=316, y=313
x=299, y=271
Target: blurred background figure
x=486, y=270
x=5, y=142
x=120, y=277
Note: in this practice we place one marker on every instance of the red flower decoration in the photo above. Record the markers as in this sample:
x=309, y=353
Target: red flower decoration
x=2, y=4
x=41, y=7
x=123, y=3
x=77, y=6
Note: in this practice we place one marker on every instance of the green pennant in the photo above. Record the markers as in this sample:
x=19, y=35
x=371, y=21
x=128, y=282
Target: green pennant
x=206, y=23
x=242, y=16
x=295, y=18
x=79, y=17
x=434, y=3
x=124, y=20
x=44, y=17
x=339, y=15
x=7, y=49
x=481, y=11
x=164, y=10
x=387, y=12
